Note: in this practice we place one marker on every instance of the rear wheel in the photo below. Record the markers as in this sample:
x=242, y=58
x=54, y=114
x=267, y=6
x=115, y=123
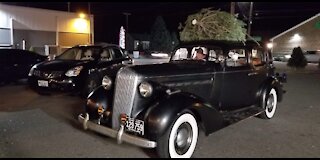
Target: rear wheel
x=181, y=139
x=270, y=105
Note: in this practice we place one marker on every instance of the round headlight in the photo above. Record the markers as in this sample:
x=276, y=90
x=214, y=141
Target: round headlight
x=145, y=89
x=106, y=82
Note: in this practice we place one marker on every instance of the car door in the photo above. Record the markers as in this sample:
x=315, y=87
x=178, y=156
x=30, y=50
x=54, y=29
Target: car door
x=5, y=65
x=236, y=91
x=259, y=73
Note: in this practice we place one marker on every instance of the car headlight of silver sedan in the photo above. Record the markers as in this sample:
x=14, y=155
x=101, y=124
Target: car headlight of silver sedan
x=106, y=82
x=145, y=89
x=74, y=71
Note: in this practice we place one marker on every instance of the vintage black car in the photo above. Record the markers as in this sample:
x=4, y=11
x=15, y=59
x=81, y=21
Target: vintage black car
x=16, y=63
x=79, y=69
x=162, y=106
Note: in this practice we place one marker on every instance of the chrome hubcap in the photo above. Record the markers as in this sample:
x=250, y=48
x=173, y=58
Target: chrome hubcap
x=183, y=138
x=270, y=103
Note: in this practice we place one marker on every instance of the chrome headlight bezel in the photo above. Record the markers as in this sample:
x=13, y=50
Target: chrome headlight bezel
x=73, y=72
x=145, y=89
x=106, y=82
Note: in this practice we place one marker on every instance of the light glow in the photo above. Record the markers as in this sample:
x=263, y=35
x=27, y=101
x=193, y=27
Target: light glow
x=296, y=37
x=269, y=45
x=80, y=25
x=82, y=15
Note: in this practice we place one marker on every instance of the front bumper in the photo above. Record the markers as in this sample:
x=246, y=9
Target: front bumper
x=119, y=135
x=54, y=84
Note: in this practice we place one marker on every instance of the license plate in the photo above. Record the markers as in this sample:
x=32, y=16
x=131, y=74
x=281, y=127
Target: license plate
x=135, y=125
x=43, y=83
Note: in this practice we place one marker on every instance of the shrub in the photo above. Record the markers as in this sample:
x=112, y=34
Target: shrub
x=297, y=60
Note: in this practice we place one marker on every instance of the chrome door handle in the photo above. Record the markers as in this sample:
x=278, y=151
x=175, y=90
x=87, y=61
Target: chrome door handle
x=252, y=73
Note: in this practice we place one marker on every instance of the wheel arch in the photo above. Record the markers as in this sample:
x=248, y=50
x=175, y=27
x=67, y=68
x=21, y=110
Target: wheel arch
x=161, y=115
x=266, y=88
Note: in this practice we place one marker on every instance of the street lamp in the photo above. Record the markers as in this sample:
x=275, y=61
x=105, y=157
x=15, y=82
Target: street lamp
x=250, y=18
x=127, y=18
x=127, y=28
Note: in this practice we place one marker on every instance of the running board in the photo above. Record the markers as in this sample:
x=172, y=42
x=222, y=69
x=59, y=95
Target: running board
x=236, y=116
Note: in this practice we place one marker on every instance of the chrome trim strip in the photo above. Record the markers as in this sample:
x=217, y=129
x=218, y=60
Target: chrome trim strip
x=119, y=135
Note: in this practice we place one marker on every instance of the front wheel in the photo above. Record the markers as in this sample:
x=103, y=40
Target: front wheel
x=270, y=105
x=181, y=139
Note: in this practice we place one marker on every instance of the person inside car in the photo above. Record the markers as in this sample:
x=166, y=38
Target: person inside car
x=200, y=55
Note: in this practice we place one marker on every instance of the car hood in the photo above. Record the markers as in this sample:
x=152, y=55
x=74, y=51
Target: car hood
x=61, y=65
x=175, y=68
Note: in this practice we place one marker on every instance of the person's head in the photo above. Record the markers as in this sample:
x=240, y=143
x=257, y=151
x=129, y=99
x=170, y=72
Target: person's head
x=199, y=54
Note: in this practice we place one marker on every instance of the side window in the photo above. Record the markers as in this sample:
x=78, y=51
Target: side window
x=105, y=55
x=215, y=55
x=181, y=53
x=236, y=58
x=117, y=53
x=257, y=57
x=203, y=50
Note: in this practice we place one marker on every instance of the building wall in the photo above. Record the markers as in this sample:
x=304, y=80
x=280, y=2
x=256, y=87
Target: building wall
x=310, y=38
x=43, y=27
x=33, y=38
x=72, y=39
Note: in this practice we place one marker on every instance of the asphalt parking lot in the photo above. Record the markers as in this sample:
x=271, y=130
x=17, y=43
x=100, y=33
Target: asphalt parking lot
x=45, y=126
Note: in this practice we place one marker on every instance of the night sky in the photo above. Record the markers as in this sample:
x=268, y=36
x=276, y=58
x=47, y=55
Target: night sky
x=269, y=18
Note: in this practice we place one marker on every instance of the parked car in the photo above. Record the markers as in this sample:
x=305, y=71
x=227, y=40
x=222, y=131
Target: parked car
x=16, y=63
x=163, y=106
x=78, y=69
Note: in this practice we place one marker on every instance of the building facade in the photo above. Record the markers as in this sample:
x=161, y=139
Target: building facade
x=42, y=29
x=305, y=35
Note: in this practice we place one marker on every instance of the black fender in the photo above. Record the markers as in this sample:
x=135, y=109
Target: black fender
x=99, y=97
x=159, y=117
x=266, y=88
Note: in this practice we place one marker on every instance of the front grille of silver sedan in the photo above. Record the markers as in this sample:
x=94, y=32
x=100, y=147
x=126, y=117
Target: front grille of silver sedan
x=125, y=89
x=48, y=74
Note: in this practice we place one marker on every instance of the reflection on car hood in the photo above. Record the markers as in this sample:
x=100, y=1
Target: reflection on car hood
x=175, y=68
x=61, y=65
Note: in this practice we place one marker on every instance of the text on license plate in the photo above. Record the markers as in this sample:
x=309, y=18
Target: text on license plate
x=43, y=83
x=135, y=125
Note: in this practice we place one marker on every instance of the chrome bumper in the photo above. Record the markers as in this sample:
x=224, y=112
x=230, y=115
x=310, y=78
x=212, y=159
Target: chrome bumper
x=119, y=135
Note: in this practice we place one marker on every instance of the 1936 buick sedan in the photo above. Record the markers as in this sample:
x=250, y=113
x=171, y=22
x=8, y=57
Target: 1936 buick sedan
x=164, y=106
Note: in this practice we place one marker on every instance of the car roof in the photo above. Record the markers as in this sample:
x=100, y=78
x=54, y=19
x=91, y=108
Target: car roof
x=103, y=45
x=222, y=43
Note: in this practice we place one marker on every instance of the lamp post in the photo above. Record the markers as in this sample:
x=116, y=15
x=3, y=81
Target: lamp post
x=250, y=18
x=127, y=29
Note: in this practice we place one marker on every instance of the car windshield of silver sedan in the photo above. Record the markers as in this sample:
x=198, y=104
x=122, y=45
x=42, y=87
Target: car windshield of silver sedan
x=80, y=54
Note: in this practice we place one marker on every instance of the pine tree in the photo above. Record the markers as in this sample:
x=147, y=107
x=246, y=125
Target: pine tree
x=211, y=24
x=160, y=36
x=297, y=60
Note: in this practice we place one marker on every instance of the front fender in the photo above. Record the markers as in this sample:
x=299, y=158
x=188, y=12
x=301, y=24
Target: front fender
x=162, y=114
x=98, y=97
x=266, y=88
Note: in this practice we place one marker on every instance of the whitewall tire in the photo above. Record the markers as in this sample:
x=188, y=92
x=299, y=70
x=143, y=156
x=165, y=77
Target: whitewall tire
x=181, y=139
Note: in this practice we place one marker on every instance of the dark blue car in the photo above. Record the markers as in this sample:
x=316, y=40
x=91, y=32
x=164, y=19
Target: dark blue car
x=16, y=63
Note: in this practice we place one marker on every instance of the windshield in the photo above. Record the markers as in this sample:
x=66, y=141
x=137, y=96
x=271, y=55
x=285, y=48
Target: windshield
x=80, y=53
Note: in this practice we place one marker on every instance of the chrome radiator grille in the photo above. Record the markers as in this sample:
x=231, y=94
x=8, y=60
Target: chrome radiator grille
x=47, y=74
x=125, y=89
